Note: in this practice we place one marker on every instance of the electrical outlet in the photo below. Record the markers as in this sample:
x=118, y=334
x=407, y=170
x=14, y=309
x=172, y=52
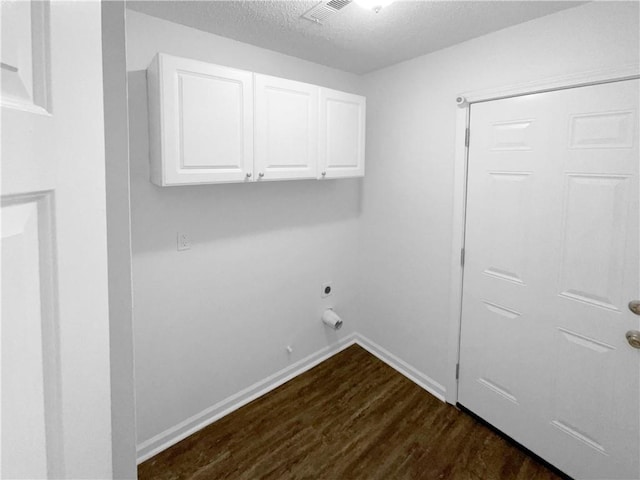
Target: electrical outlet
x=327, y=289
x=184, y=241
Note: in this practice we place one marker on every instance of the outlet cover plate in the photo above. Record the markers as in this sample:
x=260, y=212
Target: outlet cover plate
x=184, y=241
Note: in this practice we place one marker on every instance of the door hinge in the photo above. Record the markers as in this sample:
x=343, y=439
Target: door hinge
x=466, y=137
x=457, y=371
x=462, y=257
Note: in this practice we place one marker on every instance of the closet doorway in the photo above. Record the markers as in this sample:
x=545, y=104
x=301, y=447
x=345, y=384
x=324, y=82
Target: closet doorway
x=548, y=351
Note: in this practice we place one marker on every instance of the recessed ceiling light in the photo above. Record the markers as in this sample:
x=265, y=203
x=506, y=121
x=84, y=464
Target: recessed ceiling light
x=375, y=5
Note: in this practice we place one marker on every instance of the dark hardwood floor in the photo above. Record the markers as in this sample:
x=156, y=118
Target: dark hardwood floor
x=351, y=417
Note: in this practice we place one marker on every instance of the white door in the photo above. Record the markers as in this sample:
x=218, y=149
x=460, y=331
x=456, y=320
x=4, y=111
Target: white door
x=342, y=131
x=54, y=331
x=200, y=122
x=552, y=261
x=286, y=129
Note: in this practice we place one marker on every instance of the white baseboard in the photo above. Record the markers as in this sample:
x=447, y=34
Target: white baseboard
x=173, y=435
x=417, y=377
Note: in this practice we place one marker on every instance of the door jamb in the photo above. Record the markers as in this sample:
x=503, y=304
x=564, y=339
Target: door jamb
x=464, y=102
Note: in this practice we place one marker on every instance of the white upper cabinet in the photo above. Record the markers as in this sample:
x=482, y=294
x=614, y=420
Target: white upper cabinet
x=214, y=124
x=200, y=121
x=342, y=134
x=286, y=129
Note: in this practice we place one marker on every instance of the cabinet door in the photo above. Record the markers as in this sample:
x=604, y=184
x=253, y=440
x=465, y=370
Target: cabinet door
x=342, y=124
x=201, y=122
x=286, y=122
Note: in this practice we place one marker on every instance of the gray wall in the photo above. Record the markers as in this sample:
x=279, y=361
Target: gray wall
x=408, y=189
x=213, y=320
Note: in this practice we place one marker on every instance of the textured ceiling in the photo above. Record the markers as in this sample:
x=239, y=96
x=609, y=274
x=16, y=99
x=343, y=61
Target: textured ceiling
x=354, y=39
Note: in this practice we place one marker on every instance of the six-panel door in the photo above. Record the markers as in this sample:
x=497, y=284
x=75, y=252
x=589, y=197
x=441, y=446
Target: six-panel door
x=55, y=373
x=342, y=134
x=286, y=129
x=201, y=122
x=551, y=263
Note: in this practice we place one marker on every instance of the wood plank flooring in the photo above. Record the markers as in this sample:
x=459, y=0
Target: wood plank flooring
x=351, y=417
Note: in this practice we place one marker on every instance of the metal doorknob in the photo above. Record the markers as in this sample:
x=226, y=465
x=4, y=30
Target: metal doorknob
x=261, y=174
x=248, y=175
x=633, y=337
x=634, y=306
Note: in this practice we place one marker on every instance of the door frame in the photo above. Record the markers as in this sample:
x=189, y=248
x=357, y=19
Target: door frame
x=120, y=281
x=464, y=102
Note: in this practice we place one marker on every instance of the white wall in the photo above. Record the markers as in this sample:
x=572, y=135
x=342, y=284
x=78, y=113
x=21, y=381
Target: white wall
x=212, y=321
x=407, y=192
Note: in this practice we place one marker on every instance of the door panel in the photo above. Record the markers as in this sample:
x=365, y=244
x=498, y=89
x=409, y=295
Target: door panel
x=25, y=55
x=210, y=122
x=286, y=129
x=342, y=134
x=594, y=229
x=55, y=375
x=24, y=314
x=509, y=193
x=551, y=263
x=200, y=122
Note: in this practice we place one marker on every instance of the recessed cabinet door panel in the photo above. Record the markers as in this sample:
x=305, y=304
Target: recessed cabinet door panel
x=201, y=122
x=342, y=127
x=211, y=127
x=286, y=129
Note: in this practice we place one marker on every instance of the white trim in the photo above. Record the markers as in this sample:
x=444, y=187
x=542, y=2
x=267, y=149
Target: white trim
x=417, y=377
x=457, y=244
x=24, y=107
x=580, y=79
x=173, y=435
x=464, y=101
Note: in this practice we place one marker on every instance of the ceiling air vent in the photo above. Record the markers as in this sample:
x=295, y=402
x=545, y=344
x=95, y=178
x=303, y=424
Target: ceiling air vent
x=323, y=10
x=338, y=4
